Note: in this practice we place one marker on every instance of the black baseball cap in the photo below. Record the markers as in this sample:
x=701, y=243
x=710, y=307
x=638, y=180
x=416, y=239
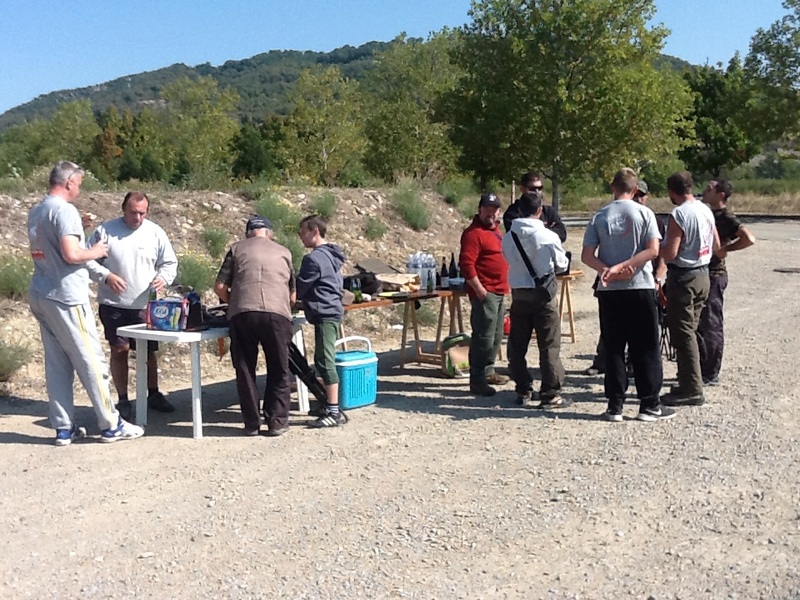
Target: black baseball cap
x=490, y=200
x=257, y=222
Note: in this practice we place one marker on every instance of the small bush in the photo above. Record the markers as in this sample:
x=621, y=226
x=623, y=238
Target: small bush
x=15, y=276
x=406, y=201
x=215, y=240
x=291, y=240
x=196, y=272
x=12, y=358
x=427, y=314
x=457, y=189
x=325, y=205
x=280, y=214
x=374, y=229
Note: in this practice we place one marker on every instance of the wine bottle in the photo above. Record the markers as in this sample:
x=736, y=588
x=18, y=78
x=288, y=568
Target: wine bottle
x=453, y=273
x=355, y=287
x=445, y=284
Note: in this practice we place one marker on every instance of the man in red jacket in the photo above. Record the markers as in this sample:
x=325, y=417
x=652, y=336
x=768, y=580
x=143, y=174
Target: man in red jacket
x=486, y=273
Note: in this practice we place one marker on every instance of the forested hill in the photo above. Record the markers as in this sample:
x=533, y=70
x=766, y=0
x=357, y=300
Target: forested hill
x=261, y=81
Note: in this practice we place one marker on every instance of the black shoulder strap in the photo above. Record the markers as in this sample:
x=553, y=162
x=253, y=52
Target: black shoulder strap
x=525, y=257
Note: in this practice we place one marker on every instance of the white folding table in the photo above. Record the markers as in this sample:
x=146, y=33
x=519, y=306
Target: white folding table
x=193, y=338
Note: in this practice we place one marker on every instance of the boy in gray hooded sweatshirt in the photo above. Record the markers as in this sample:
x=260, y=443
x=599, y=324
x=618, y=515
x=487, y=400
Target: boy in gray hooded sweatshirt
x=319, y=288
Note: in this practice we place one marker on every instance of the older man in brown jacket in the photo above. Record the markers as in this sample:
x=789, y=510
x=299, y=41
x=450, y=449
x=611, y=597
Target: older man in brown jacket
x=257, y=281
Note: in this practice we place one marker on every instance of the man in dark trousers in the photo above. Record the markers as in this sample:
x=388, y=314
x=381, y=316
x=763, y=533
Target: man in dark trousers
x=530, y=310
x=620, y=243
x=531, y=182
x=257, y=281
x=732, y=236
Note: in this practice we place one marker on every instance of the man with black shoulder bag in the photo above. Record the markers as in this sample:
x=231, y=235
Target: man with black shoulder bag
x=534, y=255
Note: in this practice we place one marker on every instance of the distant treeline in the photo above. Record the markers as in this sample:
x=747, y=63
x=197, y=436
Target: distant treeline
x=546, y=86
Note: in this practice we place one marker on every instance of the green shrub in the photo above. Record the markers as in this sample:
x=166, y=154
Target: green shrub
x=765, y=187
x=280, y=214
x=12, y=358
x=406, y=201
x=292, y=241
x=196, y=272
x=427, y=314
x=457, y=189
x=215, y=240
x=15, y=276
x=374, y=228
x=325, y=205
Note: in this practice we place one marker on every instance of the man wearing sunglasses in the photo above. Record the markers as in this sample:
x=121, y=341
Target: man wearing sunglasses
x=532, y=182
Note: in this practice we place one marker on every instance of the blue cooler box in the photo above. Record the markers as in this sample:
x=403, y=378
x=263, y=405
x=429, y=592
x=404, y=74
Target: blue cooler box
x=358, y=374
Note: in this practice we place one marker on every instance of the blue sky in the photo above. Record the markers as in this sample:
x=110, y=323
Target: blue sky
x=47, y=45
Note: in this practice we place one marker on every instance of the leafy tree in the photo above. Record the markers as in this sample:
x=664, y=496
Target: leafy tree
x=774, y=65
x=402, y=90
x=70, y=134
x=255, y=148
x=199, y=124
x=116, y=130
x=324, y=132
x=146, y=155
x=723, y=119
x=20, y=147
x=566, y=86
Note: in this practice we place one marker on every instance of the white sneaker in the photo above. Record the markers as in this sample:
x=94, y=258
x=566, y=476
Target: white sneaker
x=123, y=431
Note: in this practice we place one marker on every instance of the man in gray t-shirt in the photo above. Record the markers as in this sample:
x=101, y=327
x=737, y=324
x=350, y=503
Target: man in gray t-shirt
x=59, y=299
x=690, y=242
x=620, y=242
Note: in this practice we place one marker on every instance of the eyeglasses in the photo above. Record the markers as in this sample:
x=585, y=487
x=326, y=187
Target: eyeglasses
x=74, y=172
x=538, y=188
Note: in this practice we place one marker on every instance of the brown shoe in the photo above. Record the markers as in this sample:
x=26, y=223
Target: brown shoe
x=481, y=388
x=497, y=379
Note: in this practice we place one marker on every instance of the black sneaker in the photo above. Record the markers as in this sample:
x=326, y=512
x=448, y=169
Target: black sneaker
x=156, y=401
x=712, y=381
x=593, y=371
x=277, y=432
x=481, y=388
x=678, y=399
x=329, y=420
x=523, y=398
x=554, y=403
x=613, y=415
x=125, y=410
x=649, y=415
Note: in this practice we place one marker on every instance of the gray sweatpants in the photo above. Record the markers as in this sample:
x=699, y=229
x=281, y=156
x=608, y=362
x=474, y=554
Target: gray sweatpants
x=71, y=343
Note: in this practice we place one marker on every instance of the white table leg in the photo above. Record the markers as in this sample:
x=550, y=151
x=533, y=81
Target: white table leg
x=302, y=390
x=141, y=382
x=197, y=402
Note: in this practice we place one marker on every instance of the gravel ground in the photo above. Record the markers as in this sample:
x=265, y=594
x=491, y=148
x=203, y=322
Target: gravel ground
x=432, y=493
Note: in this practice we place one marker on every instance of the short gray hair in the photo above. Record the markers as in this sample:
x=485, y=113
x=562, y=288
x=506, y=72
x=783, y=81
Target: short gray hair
x=62, y=172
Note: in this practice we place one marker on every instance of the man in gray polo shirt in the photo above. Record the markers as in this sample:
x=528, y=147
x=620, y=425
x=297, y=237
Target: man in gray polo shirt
x=690, y=242
x=620, y=243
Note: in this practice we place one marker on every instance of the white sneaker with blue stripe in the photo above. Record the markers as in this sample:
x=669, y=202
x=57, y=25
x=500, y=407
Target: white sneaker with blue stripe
x=123, y=431
x=64, y=437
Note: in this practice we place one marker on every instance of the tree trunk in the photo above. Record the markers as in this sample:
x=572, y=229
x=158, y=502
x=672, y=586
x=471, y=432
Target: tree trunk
x=556, y=180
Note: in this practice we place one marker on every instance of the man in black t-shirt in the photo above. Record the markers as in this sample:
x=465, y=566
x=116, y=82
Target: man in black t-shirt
x=532, y=182
x=732, y=236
